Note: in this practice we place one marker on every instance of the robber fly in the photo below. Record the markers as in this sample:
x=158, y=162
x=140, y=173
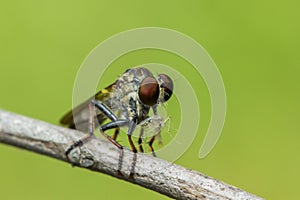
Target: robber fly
x=126, y=102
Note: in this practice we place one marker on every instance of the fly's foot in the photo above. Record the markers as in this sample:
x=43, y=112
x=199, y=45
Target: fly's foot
x=133, y=165
x=119, y=173
x=131, y=176
x=73, y=146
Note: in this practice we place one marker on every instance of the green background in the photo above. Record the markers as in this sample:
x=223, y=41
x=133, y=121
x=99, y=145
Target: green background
x=255, y=45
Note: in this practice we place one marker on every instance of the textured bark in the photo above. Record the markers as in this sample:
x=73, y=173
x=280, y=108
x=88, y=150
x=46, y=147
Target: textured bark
x=101, y=156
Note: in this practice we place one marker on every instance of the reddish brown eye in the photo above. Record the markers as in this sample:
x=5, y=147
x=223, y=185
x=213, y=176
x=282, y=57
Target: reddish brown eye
x=166, y=85
x=149, y=91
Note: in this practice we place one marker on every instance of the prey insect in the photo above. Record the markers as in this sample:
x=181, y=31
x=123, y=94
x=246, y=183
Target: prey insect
x=126, y=102
x=151, y=128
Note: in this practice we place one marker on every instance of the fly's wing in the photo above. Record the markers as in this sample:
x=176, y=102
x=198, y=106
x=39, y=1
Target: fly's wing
x=81, y=112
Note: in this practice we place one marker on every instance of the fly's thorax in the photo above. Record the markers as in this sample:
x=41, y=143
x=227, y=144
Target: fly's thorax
x=130, y=81
x=126, y=93
x=133, y=75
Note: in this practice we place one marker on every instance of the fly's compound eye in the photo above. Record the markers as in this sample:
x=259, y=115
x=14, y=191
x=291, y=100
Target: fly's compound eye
x=166, y=86
x=149, y=91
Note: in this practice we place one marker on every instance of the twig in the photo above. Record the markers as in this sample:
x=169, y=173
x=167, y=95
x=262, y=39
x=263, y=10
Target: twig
x=101, y=156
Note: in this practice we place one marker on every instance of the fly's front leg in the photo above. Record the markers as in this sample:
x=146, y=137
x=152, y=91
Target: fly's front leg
x=140, y=140
x=151, y=147
x=143, y=124
x=154, y=109
x=131, y=127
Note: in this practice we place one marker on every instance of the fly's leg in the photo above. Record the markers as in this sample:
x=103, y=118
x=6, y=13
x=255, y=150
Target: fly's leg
x=106, y=110
x=159, y=138
x=117, y=130
x=131, y=128
x=109, y=114
x=111, y=125
x=85, y=139
x=116, y=133
x=154, y=109
x=116, y=123
x=140, y=140
x=150, y=145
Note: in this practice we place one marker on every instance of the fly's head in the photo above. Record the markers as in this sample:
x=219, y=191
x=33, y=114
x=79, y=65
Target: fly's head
x=152, y=91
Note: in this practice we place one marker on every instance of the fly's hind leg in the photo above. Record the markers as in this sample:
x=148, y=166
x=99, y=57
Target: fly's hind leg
x=107, y=112
x=85, y=139
x=140, y=140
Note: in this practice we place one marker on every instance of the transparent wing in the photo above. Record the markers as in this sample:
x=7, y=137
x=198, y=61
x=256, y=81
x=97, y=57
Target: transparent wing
x=81, y=112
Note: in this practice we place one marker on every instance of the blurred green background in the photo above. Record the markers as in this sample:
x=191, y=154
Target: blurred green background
x=255, y=44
